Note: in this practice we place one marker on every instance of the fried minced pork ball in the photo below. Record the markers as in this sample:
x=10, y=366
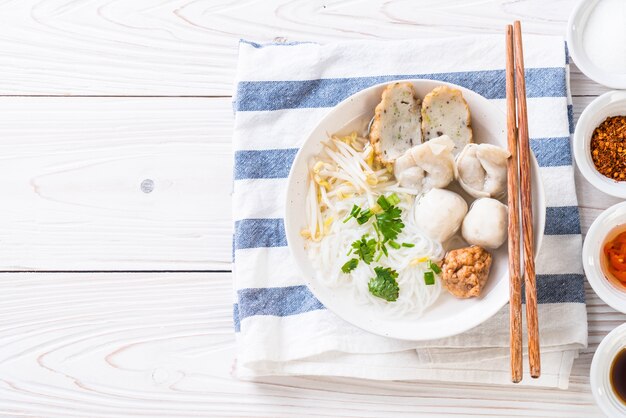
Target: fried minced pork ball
x=465, y=271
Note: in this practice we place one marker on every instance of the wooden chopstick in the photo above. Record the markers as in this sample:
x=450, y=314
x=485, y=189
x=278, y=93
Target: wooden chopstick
x=515, y=279
x=526, y=204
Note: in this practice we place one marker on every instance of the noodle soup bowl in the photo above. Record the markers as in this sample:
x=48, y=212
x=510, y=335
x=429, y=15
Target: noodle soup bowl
x=448, y=315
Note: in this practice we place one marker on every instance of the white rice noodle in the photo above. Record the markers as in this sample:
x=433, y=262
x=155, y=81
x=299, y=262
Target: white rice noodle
x=346, y=179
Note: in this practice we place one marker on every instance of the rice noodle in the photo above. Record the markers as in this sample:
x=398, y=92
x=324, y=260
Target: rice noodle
x=346, y=178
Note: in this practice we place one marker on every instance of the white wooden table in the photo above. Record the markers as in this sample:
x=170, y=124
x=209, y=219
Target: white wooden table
x=117, y=302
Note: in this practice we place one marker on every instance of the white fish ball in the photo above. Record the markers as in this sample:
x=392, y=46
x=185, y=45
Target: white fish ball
x=486, y=223
x=439, y=214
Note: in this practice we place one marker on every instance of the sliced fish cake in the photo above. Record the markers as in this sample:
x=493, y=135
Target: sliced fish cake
x=397, y=122
x=445, y=112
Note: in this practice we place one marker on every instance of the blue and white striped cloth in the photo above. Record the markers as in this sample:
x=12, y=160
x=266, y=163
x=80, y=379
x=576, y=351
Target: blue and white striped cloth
x=283, y=90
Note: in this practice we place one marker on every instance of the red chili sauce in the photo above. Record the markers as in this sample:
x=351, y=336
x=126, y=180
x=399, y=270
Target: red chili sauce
x=615, y=253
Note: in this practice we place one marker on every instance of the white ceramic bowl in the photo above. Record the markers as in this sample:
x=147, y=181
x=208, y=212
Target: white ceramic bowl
x=599, y=376
x=575, y=42
x=612, y=103
x=448, y=315
x=603, y=228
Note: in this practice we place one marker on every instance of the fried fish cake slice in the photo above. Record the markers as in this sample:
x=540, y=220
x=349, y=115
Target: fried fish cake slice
x=445, y=112
x=397, y=122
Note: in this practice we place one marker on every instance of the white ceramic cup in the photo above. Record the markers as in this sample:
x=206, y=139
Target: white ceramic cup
x=576, y=26
x=599, y=376
x=612, y=103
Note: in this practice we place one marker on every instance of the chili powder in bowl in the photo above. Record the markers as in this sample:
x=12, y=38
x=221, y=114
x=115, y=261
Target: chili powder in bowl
x=600, y=143
x=608, y=148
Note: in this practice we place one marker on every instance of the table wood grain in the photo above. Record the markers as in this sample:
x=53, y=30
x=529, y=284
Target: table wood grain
x=115, y=234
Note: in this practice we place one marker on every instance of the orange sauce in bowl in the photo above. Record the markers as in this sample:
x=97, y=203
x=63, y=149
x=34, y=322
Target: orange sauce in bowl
x=614, y=254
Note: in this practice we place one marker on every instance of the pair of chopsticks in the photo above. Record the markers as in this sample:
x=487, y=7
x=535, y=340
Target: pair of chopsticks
x=517, y=129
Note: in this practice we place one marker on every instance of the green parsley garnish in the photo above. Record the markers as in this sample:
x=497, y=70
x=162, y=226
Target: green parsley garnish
x=350, y=265
x=389, y=222
x=408, y=245
x=384, y=285
x=388, y=225
x=429, y=278
x=365, y=249
x=434, y=267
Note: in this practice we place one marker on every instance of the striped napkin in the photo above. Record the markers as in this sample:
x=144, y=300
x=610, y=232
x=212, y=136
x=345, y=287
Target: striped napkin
x=283, y=90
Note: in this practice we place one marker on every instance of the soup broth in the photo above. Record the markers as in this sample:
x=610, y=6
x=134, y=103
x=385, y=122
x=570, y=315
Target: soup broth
x=618, y=375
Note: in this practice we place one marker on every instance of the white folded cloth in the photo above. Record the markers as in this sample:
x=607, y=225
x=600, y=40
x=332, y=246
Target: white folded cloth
x=283, y=90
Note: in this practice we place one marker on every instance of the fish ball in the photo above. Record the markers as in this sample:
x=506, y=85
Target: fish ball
x=486, y=223
x=439, y=214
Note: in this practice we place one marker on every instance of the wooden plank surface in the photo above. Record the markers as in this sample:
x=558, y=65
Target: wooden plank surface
x=73, y=168
x=189, y=48
x=161, y=343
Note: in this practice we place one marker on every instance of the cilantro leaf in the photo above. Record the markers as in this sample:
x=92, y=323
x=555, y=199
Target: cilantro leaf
x=350, y=265
x=365, y=249
x=384, y=285
x=389, y=223
x=387, y=226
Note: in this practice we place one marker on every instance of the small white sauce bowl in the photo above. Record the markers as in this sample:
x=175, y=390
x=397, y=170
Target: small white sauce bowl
x=575, y=43
x=612, y=103
x=599, y=376
x=593, y=258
